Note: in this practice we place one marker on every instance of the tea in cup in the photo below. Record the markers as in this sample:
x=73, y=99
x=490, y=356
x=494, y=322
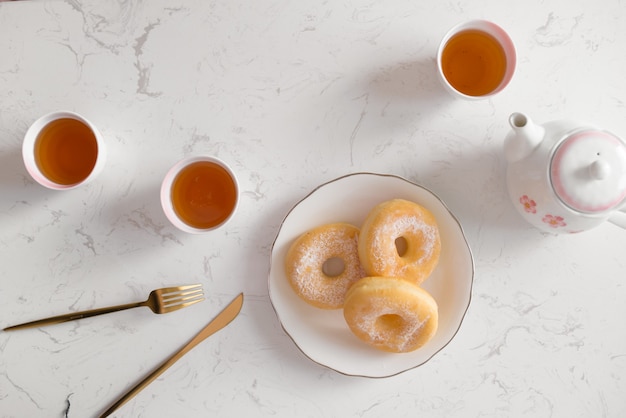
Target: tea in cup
x=199, y=194
x=63, y=150
x=476, y=59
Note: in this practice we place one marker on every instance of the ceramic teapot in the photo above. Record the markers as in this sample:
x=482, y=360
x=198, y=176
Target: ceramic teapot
x=563, y=177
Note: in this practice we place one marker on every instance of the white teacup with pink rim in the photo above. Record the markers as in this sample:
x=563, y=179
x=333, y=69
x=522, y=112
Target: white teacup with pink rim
x=476, y=59
x=63, y=150
x=199, y=194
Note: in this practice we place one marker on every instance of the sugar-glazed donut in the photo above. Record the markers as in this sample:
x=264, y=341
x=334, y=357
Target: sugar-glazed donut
x=400, y=221
x=391, y=314
x=309, y=254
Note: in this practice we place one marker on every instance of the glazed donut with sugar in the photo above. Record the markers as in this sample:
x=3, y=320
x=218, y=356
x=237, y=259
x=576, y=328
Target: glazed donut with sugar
x=391, y=314
x=307, y=258
x=391, y=224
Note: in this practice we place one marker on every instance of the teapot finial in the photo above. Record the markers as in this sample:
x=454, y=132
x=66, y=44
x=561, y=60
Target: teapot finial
x=599, y=169
x=526, y=136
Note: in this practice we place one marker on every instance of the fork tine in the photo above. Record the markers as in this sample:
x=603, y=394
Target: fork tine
x=171, y=299
x=172, y=308
x=167, y=290
x=182, y=292
x=181, y=297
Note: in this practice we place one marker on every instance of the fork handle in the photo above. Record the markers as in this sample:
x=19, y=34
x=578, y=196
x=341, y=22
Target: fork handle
x=75, y=315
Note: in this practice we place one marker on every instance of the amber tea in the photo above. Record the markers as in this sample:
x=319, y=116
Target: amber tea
x=476, y=59
x=203, y=194
x=474, y=62
x=66, y=151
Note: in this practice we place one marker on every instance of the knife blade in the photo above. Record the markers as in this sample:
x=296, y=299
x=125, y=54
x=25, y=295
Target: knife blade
x=229, y=313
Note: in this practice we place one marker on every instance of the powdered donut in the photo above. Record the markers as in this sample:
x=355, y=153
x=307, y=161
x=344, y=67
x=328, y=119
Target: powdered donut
x=400, y=219
x=391, y=314
x=305, y=262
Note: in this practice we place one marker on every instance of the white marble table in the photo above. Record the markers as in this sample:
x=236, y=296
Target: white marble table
x=293, y=94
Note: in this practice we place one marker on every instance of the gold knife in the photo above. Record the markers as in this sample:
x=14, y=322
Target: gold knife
x=220, y=321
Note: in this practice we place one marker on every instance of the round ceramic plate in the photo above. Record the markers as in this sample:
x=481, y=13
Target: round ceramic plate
x=322, y=335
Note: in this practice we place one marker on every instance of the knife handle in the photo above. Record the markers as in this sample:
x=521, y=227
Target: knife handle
x=150, y=378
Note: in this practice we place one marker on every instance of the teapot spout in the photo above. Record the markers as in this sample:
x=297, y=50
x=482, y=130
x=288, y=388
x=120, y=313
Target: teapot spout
x=524, y=138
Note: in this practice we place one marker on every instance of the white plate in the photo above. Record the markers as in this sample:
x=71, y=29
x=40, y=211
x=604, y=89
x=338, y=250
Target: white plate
x=322, y=335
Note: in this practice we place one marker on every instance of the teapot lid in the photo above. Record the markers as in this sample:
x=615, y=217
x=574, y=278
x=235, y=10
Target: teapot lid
x=588, y=171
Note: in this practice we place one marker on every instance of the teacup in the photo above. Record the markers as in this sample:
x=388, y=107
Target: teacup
x=476, y=59
x=199, y=194
x=63, y=150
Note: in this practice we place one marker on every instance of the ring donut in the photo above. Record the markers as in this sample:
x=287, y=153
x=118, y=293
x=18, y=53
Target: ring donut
x=391, y=314
x=397, y=222
x=307, y=257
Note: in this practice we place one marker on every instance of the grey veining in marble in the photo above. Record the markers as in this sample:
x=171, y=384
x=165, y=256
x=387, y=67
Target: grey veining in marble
x=291, y=95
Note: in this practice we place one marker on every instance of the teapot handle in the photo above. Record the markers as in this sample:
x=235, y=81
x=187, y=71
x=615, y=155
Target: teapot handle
x=618, y=218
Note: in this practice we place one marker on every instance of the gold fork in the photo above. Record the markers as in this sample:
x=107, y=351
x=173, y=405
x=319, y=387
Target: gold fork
x=160, y=301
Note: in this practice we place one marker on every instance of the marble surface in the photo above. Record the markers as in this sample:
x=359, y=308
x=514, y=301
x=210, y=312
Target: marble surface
x=293, y=94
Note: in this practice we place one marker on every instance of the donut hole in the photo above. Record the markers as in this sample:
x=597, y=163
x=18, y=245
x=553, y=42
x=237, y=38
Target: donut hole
x=401, y=246
x=389, y=322
x=333, y=267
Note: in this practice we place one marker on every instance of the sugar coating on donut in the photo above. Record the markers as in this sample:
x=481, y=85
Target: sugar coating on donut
x=391, y=314
x=305, y=261
x=390, y=221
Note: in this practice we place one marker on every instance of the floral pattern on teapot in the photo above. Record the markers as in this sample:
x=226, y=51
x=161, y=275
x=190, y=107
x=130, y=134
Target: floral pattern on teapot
x=530, y=206
x=554, y=221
